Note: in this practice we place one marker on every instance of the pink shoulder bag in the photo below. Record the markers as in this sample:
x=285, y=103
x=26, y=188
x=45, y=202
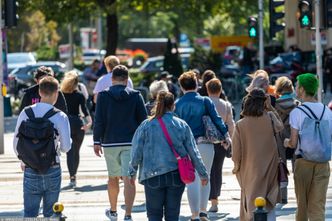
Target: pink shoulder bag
x=186, y=168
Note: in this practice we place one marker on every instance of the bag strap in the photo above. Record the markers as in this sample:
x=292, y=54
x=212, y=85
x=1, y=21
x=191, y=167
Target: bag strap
x=29, y=112
x=312, y=113
x=304, y=112
x=168, y=138
x=321, y=117
x=274, y=133
x=51, y=112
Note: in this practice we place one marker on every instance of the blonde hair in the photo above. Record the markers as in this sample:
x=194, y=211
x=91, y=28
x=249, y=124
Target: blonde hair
x=157, y=86
x=111, y=61
x=258, y=82
x=261, y=73
x=69, y=82
x=284, y=85
x=164, y=103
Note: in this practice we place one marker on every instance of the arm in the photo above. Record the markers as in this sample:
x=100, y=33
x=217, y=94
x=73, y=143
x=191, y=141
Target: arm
x=141, y=113
x=137, y=150
x=236, y=149
x=21, y=118
x=86, y=114
x=25, y=102
x=292, y=141
x=195, y=156
x=278, y=125
x=64, y=133
x=216, y=119
x=99, y=124
x=230, y=120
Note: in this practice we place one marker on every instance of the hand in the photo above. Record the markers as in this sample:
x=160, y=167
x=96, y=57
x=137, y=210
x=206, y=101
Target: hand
x=132, y=180
x=98, y=150
x=22, y=166
x=204, y=181
x=286, y=142
x=86, y=127
x=227, y=143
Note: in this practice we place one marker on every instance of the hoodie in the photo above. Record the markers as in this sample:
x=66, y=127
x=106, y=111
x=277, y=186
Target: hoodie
x=119, y=112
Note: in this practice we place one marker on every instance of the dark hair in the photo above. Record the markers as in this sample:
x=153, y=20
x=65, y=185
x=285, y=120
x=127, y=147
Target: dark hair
x=214, y=86
x=48, y=85
x=43, y=71
x=120, y=73
x=164, y=103
x=207, y=75
x=254, y=103
x=188, y=80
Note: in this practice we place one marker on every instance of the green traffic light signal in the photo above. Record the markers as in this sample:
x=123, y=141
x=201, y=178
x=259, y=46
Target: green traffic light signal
x=305, y=20
x=252, y=32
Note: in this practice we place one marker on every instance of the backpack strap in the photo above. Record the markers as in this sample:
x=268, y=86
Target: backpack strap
x=304, y=112
x=312, y=113
x=29, y=112
x=321, y=117
x=51, y=112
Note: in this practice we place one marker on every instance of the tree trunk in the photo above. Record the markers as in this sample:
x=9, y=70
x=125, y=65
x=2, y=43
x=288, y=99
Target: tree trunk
x=112, y=30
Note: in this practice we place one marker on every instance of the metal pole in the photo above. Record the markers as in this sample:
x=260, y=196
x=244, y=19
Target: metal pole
x=71, y=58
x=261, y=34
x=99, y=32
x=2, y=149
x=318, y=50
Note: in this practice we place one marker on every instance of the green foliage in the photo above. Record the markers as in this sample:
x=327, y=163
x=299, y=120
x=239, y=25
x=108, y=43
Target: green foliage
x=47, y=53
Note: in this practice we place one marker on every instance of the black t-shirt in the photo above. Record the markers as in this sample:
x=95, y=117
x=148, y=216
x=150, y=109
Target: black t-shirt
x=74, y=101
x=31, y=96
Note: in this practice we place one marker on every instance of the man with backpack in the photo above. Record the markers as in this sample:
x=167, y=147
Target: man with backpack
x=311, y=130
x=39, y=129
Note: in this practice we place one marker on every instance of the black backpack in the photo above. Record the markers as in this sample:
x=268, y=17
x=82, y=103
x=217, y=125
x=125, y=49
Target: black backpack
x=36, y=146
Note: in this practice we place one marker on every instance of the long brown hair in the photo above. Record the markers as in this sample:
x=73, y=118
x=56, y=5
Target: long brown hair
x=254, y=103
x=164, y=103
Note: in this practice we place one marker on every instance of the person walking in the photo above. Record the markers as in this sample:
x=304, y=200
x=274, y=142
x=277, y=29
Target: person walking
x=285, y=103
x=75, y=102
x=32, y=96
x=255, y=154
x=155, y=88
x=157, y=164
x=191, y=107
x=224, y=109
x=105, y=81
x=119, y=112
x=311, y=178
x=37, y=185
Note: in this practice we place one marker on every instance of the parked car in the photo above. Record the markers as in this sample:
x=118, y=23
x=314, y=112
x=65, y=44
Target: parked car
x=89, y=55
x=155, y=65
x=20, y=59
x=21, y=78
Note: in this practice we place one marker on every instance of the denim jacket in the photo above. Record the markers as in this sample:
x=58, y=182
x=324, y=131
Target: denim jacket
x=191, y=107
x=153, y=155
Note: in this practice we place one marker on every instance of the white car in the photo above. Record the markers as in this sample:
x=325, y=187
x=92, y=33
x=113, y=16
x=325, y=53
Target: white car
x=89, y=55
x=19, y=60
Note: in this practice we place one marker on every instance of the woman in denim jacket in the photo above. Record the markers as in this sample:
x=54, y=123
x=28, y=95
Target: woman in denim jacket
x=157, y=164
x=191, y=107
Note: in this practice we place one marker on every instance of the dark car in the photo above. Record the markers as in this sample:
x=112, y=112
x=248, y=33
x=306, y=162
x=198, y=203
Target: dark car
x=21, y=78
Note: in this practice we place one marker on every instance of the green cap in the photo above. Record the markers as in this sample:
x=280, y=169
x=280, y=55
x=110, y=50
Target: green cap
x=309, y=82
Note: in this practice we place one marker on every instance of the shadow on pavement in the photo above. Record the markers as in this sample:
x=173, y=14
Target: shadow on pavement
x=87, y=188
x=136, y=208
x=12, y=214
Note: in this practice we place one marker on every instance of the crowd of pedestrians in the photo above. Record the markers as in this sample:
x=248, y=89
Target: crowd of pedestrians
x=152, y=138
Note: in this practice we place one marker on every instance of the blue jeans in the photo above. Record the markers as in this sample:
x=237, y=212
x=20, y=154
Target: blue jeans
x=163, y=196
x=38, y=186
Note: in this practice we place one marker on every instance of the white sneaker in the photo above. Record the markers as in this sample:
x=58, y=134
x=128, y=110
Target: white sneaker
x=113, y=216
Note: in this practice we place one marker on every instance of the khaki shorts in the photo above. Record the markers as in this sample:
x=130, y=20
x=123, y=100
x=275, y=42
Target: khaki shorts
x=117, y=160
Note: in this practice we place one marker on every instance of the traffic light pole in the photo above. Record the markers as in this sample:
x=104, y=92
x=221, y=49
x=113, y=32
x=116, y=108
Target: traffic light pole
x=2, y=149
x=319, y=69
x=261, y=34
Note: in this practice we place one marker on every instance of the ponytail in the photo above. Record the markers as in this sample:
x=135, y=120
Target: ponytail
x=164, y=103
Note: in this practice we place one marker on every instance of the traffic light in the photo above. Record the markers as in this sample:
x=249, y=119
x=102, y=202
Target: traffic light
x=327, y=13
x=305, y=13
x=275, y=15
x=10, y=13
x=252, y=27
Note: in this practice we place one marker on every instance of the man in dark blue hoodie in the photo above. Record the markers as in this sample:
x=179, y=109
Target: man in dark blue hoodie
x=119, y=111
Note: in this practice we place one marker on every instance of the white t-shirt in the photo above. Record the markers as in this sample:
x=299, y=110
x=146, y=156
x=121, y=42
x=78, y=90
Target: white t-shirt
x=104, y=82
x=296, y=116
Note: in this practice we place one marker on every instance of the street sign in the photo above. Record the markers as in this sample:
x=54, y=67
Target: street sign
x=323, y=38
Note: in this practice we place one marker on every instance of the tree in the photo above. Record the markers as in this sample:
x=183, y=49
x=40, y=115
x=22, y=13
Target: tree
x=172, y=60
